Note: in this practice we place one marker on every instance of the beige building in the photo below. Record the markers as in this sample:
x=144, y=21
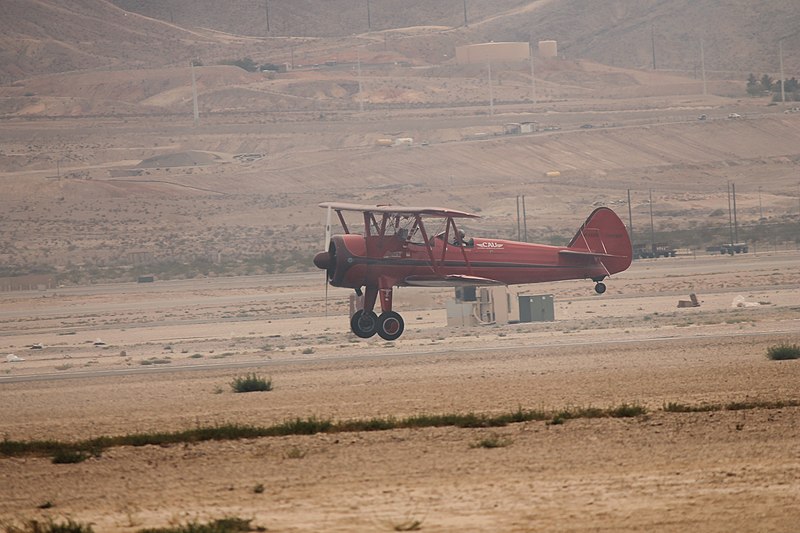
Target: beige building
x=548, y=49
x=492, y=52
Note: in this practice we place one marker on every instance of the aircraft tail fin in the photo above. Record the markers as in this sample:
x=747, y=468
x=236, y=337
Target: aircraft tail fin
x=605, y=238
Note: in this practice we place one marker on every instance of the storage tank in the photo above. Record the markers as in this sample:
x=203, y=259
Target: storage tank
x=548, y=49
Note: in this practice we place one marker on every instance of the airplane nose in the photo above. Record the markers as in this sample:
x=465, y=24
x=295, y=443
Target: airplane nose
x=322, y=260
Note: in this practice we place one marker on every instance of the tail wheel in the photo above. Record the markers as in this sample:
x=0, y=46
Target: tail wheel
x=390, y=325
x=364, y=325
x=600, y=288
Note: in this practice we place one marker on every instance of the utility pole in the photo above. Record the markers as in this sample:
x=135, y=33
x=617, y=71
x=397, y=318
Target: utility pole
x=730, y=217
x=780, y=56
x=760, y=211
x=735, y=223
x=519, y=232
x=491, y=90
x=266, y=10
x=194, y=96
x=653, y=44
x=360, y=96
x=533, y=77
x=703, y=68
x=630, y=216
x=465, y=14
x=369, y=18
x=524, y=220
x=652, y=227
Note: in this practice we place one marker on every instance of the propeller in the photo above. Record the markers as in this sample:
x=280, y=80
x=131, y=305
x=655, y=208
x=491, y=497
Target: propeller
x=326, y=246
x=327, y=243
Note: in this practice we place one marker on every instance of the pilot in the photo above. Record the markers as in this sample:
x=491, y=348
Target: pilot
x=459, y=240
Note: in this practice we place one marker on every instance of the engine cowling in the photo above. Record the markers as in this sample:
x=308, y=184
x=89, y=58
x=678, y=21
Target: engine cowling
x=343, y=269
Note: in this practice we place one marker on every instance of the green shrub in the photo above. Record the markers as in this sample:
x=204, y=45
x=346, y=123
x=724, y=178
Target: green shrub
x=223, y=525
x=627, y=411
x=66, y=456
x=784, y=351
x=251, y=383
x=34, y=526
x=492, y=441
x=674, y=407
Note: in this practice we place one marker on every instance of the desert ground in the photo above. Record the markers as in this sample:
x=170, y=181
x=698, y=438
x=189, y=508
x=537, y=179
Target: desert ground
x=172, y=348
x=106, y=174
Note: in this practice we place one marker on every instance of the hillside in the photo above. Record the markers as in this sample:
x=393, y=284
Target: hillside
x=739, y=36
x=44, y=37
x=102, y=165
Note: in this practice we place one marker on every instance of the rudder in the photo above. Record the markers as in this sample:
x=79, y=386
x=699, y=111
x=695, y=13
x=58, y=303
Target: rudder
x=604, y=233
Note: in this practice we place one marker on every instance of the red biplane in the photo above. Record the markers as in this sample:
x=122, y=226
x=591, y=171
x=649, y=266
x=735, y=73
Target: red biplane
x=397, y=249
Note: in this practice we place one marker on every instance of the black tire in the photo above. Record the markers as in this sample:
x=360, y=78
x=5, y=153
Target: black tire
x=390, y=325
x=364, y=325
x=600, y=288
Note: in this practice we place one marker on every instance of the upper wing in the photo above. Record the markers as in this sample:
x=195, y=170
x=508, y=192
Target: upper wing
x=400, y=210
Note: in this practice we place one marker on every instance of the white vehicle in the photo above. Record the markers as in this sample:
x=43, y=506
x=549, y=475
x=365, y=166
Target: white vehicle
x=734, y=115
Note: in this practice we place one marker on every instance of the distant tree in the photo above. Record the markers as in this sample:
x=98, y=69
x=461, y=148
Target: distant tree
x=245, y=63
x=766, y=82
x=753, y=86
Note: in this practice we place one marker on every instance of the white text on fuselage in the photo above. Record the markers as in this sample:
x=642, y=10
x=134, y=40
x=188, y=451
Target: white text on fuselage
x=489, y=244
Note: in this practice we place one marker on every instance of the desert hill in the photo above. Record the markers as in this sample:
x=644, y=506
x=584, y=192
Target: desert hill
x=738, y=36
x=102, y=165
x=41, y=37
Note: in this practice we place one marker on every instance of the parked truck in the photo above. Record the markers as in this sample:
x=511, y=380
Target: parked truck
x=733, y=248
x=659, y=249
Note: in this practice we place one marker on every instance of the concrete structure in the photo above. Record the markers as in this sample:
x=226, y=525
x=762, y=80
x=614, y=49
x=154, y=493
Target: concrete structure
x=548, y=49
x=492, y=52
x=475, y=306
x=537, y=308
x=29, y=282
x=513, y=128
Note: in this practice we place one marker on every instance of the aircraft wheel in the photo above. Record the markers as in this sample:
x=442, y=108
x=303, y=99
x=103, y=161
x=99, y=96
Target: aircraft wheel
x=390, y=325
x=600, y=288
x=364, y=325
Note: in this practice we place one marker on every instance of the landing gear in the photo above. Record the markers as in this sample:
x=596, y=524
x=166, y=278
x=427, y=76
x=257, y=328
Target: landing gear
x=390, y=325
x=364, y=323
x=600, y=288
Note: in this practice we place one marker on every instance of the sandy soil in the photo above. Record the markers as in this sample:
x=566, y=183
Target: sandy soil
x=664, y=471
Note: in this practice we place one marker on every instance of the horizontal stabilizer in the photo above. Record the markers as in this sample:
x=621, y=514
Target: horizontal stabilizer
x=455, y=280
